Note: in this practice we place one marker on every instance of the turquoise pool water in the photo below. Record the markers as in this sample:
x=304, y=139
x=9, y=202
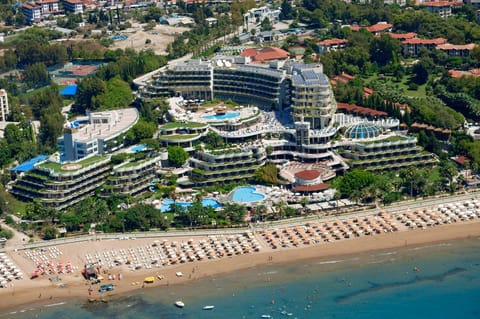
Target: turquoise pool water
x=247, y=194
x=206, y=202
x=138, y=148
x=219, y=117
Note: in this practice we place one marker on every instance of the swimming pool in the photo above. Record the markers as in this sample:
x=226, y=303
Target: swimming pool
x=206, y=202
x=138, y=148
x=247, y=194
x=226, y=116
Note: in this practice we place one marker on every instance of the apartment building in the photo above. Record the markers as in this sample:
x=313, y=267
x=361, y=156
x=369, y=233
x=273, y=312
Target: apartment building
x=73, y=6
x=412, y=47
x=331, y=45
x=442, y=8
x=32, y=12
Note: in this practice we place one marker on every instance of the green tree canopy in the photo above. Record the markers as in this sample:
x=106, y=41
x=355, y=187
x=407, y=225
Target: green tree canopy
x=177, y=155
x=267, y=174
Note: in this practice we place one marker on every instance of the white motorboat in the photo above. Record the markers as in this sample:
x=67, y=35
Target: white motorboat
x=179, y=304
x=210, y=307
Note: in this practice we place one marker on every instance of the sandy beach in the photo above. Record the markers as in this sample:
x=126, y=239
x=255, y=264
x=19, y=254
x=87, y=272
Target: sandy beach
x=41, y=290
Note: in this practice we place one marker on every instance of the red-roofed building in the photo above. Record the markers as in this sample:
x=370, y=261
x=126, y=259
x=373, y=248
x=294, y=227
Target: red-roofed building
x=265, y=54
x=402, y=36
x=311, y=188
x=414, y=45
x=32, y=12
x=376, y=28
x=442, y=8
x=380, y=27
x=331, y=45
x=458, y=74
x=309, y=180
x=343, y=78
x=73, y=6
x=461, y=160
x=456, y=50
x=360, y=110
x=367, y=91
x=48, y=6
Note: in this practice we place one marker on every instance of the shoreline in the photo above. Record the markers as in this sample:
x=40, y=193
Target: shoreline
x=33, y=293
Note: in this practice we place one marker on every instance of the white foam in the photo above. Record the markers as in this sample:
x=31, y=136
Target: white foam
x=55, y=304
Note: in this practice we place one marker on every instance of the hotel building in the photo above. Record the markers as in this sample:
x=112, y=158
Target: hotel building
x=135, y=176
x=394, y=152
x=97, y=133
x=226, y=165
x=275, y=86
x=59, y=185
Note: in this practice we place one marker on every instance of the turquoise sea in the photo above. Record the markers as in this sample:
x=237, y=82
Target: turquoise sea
x=375, y=285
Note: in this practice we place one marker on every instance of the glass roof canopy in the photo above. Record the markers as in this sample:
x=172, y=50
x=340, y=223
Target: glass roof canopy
x=362, y=130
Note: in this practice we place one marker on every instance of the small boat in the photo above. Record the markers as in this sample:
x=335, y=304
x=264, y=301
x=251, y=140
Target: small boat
x=179, y=304
x=266, y=316
x=210, y=307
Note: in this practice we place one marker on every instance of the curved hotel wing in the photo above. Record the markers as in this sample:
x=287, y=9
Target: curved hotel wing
x=278, y=85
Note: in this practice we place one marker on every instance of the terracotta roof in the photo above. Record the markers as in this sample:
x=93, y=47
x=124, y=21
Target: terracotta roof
x=46, y=1
x=265, y=54
x=379, y=27
x=368, y=91
x=437, y=4
x=308, y=174
x=334, y=41
x=430, y=128
x=30, y=6
x=460, y=160
x=457, y=74
x=436, y=41
x=402, y=36
x=311, y=188
x=475, y=72
x=360, y=109
x=448, y=46
x=346, y=76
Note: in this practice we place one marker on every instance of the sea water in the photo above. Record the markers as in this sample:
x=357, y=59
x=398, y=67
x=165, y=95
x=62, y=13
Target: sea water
x=431, y=281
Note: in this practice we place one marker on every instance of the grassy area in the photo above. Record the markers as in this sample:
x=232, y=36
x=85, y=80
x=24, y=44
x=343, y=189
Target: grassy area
x=394, y=138
x=134, y=163
x=173, y=125
x=403, y=85
x=177, y=137
x=57, y=167
x=17, y=207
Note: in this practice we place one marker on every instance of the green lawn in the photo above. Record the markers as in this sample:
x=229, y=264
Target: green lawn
x=83, y=163
x=173, y=125
x=403, y=85
x=177, y=137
